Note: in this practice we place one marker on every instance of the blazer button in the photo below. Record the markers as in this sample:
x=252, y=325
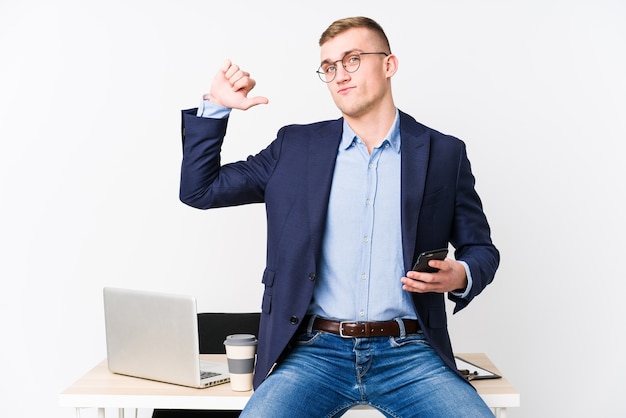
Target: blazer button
x=312, y=277
x=294, y=320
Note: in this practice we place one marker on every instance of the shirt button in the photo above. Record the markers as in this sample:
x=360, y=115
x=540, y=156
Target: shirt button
x=370, y=166
x=368, y=202
x=366, y=239
x=361, y=314
x=363, y=276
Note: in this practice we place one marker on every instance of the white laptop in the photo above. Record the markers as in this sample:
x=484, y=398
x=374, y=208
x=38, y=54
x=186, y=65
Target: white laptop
x=155, y=336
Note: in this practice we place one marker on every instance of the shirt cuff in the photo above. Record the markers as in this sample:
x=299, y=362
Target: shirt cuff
x=208, y=109
x=468, y=273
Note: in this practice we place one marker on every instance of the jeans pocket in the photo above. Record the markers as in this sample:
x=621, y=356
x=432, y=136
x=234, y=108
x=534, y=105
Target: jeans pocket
x=307, y=339
x=409, y=339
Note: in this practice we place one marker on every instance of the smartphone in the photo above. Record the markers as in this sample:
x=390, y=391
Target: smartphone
x=421, y=264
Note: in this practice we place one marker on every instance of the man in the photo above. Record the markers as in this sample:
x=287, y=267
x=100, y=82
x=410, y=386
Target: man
x=350, y=205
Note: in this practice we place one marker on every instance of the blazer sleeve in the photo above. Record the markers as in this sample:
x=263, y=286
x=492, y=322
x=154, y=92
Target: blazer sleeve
x=205, y=183
x=471, y=235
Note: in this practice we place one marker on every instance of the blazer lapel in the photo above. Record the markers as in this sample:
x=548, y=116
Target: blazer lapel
x=322, y=152
x=415, y=150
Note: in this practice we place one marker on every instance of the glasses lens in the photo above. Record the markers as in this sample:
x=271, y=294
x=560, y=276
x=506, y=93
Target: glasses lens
x=351, y=62
x=327, y=72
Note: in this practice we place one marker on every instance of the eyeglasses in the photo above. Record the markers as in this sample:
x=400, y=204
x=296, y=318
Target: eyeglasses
x=351, y=63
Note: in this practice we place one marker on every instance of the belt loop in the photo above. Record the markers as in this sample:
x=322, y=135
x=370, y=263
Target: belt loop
x=309, y=326
x=401, y=326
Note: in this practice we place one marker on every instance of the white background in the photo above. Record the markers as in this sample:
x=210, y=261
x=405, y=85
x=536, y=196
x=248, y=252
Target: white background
x=90, y=100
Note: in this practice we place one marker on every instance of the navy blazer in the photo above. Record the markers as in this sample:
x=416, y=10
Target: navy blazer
x=293, y=175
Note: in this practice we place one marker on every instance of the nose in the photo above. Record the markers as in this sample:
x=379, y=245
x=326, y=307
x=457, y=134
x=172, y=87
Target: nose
x=341, y=75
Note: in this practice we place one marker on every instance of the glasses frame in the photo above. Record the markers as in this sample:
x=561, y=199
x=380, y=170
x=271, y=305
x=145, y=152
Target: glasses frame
x=322, y=74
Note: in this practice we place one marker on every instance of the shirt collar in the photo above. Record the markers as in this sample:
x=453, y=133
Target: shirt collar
x=393, y=136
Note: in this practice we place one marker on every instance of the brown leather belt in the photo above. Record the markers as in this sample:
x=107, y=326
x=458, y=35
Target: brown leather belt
x=353, y=329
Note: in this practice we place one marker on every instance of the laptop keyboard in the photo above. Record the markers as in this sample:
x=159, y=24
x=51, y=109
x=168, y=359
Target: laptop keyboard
x=206, y=374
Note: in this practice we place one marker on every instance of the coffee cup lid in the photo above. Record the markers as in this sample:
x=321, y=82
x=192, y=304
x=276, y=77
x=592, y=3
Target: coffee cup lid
x=240, y=339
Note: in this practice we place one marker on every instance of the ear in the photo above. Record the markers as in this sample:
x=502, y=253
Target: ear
x=391, y=65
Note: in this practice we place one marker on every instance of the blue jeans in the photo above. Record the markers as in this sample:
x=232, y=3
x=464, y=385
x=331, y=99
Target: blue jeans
x=324, y=375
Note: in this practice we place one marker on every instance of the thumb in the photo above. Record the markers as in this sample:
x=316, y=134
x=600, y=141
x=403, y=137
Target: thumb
x=253, y=101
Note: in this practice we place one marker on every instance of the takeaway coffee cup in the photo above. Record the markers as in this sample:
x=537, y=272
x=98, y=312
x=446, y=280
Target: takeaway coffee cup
x=241, y=353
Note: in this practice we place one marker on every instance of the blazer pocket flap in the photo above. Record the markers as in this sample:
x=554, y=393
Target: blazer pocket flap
x=266, y=306
x=435, y=197
x=268, y=277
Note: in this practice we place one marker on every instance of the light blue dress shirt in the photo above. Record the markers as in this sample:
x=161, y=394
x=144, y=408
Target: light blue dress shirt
x=361, y=265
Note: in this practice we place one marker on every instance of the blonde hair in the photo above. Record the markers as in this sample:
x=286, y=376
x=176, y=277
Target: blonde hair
x=342, y=25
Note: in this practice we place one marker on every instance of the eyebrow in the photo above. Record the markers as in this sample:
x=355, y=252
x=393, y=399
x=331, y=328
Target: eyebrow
x=328, y=61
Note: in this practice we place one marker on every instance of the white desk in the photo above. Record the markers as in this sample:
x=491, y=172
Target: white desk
x=101, y=389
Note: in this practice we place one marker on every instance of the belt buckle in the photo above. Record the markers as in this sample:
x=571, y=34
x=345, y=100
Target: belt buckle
x=341, y=323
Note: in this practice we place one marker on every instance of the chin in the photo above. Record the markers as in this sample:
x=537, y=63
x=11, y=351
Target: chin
x=352, y=110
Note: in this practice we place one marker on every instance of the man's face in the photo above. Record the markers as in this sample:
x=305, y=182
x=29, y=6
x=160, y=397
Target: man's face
x=361, y=91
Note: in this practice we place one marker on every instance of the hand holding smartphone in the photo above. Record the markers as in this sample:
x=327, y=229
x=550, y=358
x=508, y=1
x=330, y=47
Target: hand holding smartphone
x=421, y=264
